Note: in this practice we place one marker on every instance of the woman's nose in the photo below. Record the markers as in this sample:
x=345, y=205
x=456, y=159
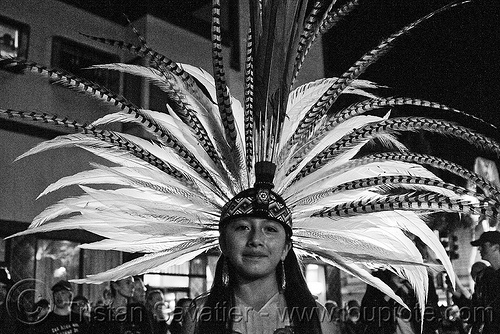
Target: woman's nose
x=256, y=237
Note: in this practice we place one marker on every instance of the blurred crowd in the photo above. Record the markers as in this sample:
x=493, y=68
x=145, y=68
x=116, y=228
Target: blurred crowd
x=126, y=307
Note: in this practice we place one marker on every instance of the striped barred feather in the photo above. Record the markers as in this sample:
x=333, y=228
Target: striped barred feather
x=306, y=38
x=223, y=99
x=162, y=63
x=249, y=101
x=329, y=19
x=358, y=194
x=332, y=17
x=393, y=182
x=320, y=108
x=400, y=124
x=368, y=106
x=177, y=100
x=425, y=202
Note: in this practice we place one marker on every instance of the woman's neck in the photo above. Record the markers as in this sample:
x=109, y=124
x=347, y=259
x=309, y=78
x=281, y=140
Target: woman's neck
x=256, y=293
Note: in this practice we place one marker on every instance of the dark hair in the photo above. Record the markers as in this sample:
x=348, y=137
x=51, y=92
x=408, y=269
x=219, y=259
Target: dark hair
x=297, y=296
x=112, y=289
x=179, y=311
x=80, y=298
x=151, y=293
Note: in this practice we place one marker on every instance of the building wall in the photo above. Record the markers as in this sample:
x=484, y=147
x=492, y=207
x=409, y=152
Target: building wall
x=24, y=180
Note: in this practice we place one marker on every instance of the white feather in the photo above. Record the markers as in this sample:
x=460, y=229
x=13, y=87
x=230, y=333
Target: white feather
x=304, y=97
x=351, y=268
x=155, y=262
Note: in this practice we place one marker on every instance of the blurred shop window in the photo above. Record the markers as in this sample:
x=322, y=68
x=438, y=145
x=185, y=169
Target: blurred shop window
x=56, y=260
x=186, y=280
x=316, y=280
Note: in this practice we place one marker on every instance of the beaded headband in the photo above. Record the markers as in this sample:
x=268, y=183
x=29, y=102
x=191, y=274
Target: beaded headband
x=259, y=201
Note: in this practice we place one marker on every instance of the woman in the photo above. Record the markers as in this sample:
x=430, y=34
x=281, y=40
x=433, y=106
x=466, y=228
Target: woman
x=258, y=285
x=179, y=315
x=155, y=305
x=383, y=315
x=171, y=185
x=120, y=316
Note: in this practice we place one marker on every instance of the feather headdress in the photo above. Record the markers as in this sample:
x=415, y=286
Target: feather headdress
x=352, y=207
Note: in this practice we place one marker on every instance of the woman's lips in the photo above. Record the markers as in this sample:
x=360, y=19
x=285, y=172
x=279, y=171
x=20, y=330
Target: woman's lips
x=254, y=255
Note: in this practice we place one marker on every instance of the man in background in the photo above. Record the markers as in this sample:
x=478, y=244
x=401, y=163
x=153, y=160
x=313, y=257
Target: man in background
x=487, y=310
x=61, y=320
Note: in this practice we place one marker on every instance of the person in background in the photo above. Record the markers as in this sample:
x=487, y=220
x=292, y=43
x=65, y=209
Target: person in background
x=487, y=288
x=120, y=317
x=463, y=297
x=42, y=309
x=352, y=323
x=383, y=315
x=61, y=320
x=139, y=296
x=180, y=312
x=452, y=323
x=477, y=269
x=137, y=303
x=81, y=306
x=107, y=296
x=155, y=306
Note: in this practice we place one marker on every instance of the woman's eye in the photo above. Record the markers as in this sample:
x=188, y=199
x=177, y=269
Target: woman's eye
x=271, y=229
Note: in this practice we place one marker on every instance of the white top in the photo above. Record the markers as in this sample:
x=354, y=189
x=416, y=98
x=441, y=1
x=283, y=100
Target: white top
x=272, y=316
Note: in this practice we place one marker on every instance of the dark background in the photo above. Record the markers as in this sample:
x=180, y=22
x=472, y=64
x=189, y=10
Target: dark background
x=453, y=58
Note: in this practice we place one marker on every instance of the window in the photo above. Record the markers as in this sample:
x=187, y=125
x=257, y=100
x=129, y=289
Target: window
x=183, y=280
x=76, y=57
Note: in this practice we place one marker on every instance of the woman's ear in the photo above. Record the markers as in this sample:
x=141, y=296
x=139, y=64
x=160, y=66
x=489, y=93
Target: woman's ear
x=288, y=246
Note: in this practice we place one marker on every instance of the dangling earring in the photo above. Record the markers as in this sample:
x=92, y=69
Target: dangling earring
x=283, y=277
x=225, y=274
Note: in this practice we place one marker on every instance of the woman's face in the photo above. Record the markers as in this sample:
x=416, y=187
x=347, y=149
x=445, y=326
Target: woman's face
x=125, y=287
x=254, y=246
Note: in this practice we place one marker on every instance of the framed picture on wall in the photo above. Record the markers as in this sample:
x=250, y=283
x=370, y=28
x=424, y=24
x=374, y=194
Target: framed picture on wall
x=14, y=40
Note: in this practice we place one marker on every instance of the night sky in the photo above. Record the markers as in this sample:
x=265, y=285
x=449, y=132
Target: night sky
x=453, y=58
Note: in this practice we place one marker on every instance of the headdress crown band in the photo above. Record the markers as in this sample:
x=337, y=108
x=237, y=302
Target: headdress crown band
x=259, y=201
